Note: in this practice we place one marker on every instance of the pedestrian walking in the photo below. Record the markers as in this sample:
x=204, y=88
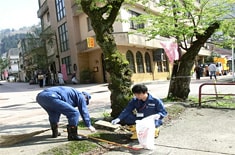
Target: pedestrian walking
x=212, y=70
x=64, y=100
x=40, y=77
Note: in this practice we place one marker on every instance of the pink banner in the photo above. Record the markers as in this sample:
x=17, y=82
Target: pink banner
x=171, y=50
x=64, y=71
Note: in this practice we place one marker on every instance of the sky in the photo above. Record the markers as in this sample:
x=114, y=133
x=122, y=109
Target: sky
x=15, y=14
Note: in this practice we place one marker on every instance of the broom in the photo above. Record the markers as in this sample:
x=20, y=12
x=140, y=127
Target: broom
x=109, y=142
x=114, y=143
x=8, y=140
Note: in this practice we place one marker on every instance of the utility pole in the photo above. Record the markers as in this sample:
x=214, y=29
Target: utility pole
x=233, y=61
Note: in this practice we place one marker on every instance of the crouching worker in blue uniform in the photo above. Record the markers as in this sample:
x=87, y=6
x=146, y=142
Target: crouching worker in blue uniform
x=64, y=100
x=141, y=106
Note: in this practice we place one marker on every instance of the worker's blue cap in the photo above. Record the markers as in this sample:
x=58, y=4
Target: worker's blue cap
x=87, y=96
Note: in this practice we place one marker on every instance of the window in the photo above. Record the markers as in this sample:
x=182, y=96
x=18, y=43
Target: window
x=130, y=58
x=148, y=63
x=63, y=36
x=161, y=59
x=159, y=66
x=139, y=61
x=60, y=9
x=89, y=27
x=133, y=24
x=165, y=63
x=67, y=62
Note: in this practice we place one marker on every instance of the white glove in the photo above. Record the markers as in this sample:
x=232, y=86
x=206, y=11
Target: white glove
x=115, y=121
x=92, y=129
x=156, y=116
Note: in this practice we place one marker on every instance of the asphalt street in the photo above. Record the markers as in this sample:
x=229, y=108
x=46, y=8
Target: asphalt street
x=19, y=112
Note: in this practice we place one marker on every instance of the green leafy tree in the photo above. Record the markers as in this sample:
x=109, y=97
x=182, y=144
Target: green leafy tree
x=226, y=35
x=191, y=24
x=3, y=65
x=35, y=47
x=102, y=15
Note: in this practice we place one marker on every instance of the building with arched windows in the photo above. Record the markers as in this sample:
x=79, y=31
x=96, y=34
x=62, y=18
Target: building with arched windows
x=75, y=50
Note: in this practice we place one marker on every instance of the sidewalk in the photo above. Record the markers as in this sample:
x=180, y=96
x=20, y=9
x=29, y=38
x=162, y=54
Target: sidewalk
x=21, y=114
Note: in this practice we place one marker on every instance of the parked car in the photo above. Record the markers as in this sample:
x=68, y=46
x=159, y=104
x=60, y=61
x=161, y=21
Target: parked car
x=11, y=78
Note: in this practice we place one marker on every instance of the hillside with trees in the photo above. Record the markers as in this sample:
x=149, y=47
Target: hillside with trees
x=10, y=41
x=9, y=38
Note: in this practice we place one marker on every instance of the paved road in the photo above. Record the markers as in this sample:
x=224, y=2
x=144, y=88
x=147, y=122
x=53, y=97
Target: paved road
x=19, y=113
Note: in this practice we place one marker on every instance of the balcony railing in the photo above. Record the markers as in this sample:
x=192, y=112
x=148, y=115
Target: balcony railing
x=126, y=39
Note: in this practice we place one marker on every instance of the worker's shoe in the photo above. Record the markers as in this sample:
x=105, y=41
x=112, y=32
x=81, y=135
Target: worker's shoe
x=73, y=134
x=131, y=128
x=55, y=132
x=157, y=132
x=134, y=136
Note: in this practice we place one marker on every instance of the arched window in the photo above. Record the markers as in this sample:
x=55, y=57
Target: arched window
x=148, y=63
x=139, y=61
x=159, y=56
x=130, y=58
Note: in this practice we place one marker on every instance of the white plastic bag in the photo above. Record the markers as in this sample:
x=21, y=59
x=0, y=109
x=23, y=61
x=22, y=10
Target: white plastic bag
x=74, y=80
x=145, y=130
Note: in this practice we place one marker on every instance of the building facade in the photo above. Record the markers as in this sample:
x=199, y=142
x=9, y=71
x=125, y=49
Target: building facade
x=71, y=46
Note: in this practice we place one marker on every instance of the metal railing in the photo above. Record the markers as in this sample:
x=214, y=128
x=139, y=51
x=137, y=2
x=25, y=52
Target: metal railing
x=216, y=94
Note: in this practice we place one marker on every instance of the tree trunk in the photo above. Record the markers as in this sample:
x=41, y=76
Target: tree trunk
x=120, y=74
x=180, y=80
x=181, y=75
x=102, y=19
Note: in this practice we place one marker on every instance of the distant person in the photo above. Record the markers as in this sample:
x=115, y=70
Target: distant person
x=52, y=79
x=74, y=79
x=198, y=71
x=63, y=100
x=40, y=77
x=141, y=106
x=60, y=78
x=212, y=70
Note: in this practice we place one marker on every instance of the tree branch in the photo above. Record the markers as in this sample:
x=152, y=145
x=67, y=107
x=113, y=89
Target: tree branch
x=115, y=10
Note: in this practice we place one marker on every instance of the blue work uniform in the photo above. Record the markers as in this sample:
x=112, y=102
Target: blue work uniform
x=138, y=109
x=63, y=100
